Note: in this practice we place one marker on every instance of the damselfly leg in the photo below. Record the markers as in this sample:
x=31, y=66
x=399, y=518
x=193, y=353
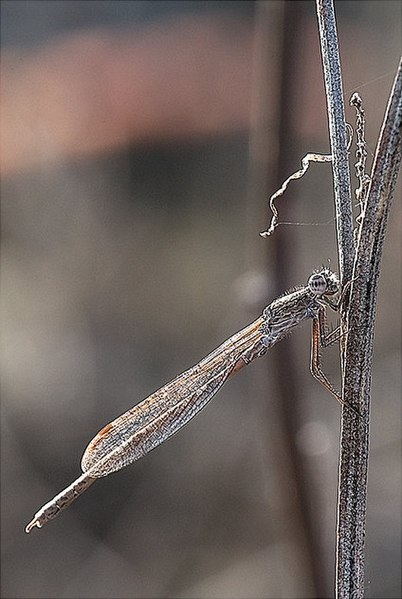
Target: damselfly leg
x=319, y=339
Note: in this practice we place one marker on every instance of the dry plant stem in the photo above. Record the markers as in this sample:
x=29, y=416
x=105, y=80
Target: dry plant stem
x=345, y=566
x=359, y=350
x=338, y=136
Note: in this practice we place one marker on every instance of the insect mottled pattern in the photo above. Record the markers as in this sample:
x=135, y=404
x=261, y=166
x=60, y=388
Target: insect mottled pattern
x=163, y=413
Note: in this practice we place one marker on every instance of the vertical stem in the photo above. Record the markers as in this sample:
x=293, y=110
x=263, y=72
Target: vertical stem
x=338, y=137
x=353, y=466
x=343, y=202
x=360, y=313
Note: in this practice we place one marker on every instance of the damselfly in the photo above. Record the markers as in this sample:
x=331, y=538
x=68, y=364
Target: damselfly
x=148, y=424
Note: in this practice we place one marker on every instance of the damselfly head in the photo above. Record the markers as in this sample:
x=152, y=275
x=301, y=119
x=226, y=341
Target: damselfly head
x=324, y=282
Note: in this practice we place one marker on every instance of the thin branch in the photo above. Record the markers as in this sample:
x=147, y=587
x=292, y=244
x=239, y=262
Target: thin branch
x=359, y=352
x=356, y=358
x=310, y=157
x=338, y=136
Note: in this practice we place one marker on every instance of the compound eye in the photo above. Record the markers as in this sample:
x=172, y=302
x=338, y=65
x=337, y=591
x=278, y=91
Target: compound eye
x=317, y=284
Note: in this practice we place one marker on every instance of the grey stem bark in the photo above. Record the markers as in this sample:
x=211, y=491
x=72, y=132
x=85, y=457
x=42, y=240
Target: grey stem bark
x=362, y=267
x=353, y=468
x=338, y=137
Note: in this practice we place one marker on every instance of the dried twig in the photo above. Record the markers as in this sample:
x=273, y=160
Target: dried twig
x=338, y=137
x=297, y=175
x=360, y=311
x=359, y=352
x=361, y=155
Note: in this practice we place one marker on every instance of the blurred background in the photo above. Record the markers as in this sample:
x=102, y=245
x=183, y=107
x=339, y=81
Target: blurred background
x=140, y=142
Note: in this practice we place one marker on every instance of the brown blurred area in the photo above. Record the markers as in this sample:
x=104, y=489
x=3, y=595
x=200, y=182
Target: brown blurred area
x=100, y=89
x=139, y=142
